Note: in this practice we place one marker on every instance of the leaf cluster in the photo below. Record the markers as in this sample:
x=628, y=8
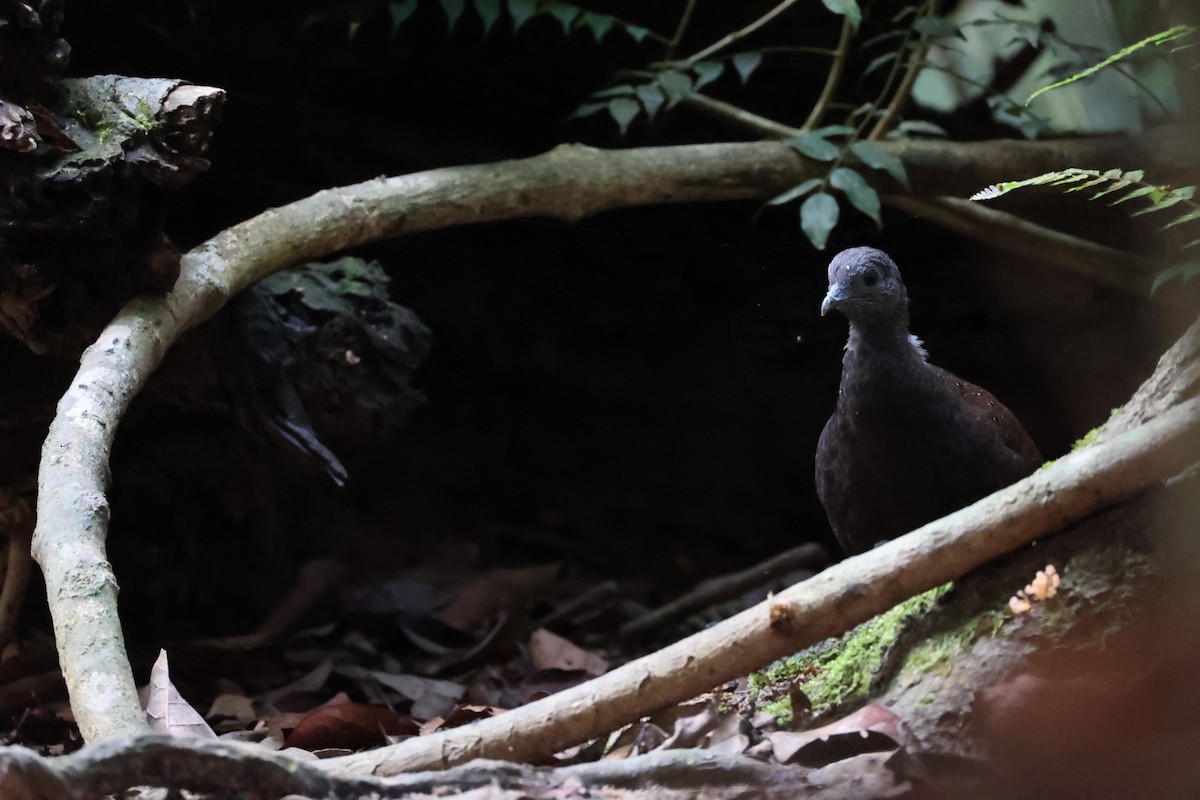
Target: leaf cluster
x=664, y=88
x=570, y=16
x=820, y=211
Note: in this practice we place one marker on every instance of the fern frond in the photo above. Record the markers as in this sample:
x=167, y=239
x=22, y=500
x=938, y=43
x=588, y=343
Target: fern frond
x=1162, y=37
x=1123, y=186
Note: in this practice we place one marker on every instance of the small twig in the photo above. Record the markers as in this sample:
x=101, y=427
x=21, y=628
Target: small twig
x=655, y=66
x=600, y=593
x=680, y=30
x=747, y=120
x=904, y=90
x=715, y=590
x=833, y=79
x=1125, y=73
x=741, y=33
x=1012, y=234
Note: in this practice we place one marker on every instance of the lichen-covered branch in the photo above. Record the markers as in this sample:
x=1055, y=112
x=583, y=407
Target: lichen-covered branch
x=568, y=183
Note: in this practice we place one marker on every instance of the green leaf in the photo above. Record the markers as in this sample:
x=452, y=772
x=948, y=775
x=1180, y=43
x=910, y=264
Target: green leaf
x=818, y=216
x=562, y=12
x=520, y=11
x=920, y=127
x=652, y=99
x=489, y=12
x=1185, y=271
x=1093, y=182
x=795, y=192
x=1162, y=37
x=1141, y=191
x=857, y=191
x=586, y=110
x=400, y=11
x=706, y=73
x=879, y=61
x=676, y=85
x=833, y=130
x=623, y=110
x=745, y=63
x=814, y=147
x=1191, y=216
x=876, y=157
x=1170, y=201
x=637, y=32
x=598, y=24
x=937, y=28
x=454, y=10
x=355, y=24
x=1069, y=177
x=1116, y=187
x=846, y=8
x=615, y=91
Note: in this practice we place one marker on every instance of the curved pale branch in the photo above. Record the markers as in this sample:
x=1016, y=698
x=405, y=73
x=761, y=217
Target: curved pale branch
x=568, y=183
x=72, y=479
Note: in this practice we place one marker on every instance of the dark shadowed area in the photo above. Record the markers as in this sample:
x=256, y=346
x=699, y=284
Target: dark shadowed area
x=641, y=392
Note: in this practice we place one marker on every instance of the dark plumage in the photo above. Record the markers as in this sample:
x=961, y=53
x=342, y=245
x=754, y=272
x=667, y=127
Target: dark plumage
x=908, y=442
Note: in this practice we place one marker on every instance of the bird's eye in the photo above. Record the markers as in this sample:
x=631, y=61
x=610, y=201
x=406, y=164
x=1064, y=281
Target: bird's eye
x=870, y=278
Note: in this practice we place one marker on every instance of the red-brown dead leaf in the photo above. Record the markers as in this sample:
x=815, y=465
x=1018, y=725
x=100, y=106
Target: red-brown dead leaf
x=352, y=726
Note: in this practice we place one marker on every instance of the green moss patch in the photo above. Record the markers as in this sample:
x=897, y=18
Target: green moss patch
x=839, y=670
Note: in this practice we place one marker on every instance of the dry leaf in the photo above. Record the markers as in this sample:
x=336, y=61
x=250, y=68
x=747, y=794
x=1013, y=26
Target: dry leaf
x=872, y=728
x=167, y=711
x=692, y=730
x=310, y=682
x=431, y=697
x=232, y=706
x=550, y=651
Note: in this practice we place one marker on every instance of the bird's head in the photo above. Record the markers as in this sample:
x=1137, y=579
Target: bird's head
x=865, y=285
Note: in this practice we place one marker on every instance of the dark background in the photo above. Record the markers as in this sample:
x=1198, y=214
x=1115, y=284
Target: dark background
x=641, y=392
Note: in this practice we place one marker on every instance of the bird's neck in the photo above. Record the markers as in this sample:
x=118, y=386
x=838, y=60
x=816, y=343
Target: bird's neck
x=882, y=333
x=881, y=347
